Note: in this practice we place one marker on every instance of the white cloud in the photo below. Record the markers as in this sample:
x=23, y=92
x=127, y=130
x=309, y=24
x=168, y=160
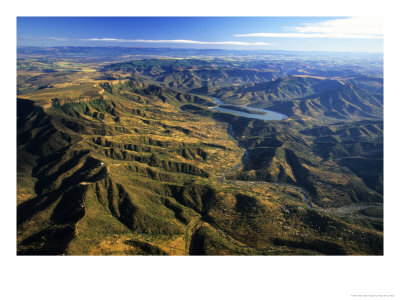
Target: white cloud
x=346, y=28
x=178, y=42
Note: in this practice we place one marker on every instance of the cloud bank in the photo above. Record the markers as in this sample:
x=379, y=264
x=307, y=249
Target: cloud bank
x=346, y=28
x=177, y=42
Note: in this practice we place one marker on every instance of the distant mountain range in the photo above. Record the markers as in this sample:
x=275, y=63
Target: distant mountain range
x=308, y=96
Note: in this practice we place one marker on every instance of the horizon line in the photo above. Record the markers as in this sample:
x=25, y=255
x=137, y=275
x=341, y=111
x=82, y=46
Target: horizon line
x=181, y=48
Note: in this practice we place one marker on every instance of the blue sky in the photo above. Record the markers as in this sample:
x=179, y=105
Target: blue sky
x=350, y=34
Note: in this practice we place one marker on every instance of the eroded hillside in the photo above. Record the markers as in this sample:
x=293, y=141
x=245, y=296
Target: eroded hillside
x=127, y=171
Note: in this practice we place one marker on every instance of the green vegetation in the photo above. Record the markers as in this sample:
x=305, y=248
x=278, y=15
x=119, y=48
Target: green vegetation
x=300, y=96
x=140, y=166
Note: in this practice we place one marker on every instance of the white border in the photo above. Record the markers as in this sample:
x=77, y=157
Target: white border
x=197, y=277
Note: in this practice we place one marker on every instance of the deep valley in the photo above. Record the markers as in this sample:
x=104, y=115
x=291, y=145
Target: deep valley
x=122, y=153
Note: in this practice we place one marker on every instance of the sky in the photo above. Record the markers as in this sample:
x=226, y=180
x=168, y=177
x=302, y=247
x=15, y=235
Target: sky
x=332, y=34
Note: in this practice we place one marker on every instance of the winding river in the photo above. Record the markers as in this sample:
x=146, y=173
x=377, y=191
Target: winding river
x=269, y=114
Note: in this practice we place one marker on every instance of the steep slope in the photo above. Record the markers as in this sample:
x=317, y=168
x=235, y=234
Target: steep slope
x=348, y=102
x=281, y=89
x=304, y=96
x=127, y=172
x=327, y=161
x=281, y=154
x=86, y=151
x=357, y=146
x=192, y=75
